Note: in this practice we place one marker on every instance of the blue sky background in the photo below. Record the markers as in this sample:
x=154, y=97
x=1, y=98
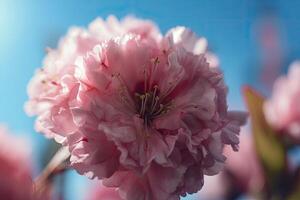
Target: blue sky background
x=231, y=27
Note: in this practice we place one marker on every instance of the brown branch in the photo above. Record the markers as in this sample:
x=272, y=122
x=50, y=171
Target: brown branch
x=58, y=164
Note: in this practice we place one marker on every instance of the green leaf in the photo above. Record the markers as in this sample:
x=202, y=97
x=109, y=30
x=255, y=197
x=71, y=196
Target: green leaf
x=269, y=147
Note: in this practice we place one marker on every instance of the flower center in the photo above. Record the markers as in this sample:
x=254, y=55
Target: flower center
x=148, y=101
x=149, y=105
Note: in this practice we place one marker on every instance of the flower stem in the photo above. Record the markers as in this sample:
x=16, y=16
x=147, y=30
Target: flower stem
x=57, y=165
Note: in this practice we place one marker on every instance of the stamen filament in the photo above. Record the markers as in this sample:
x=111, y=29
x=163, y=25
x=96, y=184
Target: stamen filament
x=142, y=97
x=145, y=103
x=153, y=69
x=155, y=104
x=161, y=107
x=154, y=96
x=145, y=80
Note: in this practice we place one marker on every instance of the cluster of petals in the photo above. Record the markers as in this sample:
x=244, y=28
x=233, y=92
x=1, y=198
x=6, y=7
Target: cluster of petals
x=47, y=87
x=282, y=110
x=15, y=168
x=145, y=113
x=238, y=176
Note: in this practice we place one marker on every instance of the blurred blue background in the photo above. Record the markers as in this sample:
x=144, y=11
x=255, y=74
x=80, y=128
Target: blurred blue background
x=255, y=41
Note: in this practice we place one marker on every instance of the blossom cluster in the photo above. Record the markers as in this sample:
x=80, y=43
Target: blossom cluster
x=144, y=112
x=282, y=110
x=16, y=169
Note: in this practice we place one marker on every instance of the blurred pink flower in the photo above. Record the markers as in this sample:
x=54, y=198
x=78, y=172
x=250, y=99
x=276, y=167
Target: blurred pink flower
x=100, y=192
x=15, y=168
x=282, y=110
x=147, y=115
x=248, y=175
x=215, y=187
x=238, y=176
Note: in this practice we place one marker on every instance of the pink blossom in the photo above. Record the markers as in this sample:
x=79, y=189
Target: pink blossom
x=282, y=110
x=48, y=88
x=215, y=187
x=148, y=116
x=248, y=175
x=238, y=176
x=101, y=192
x=15, y=169
x=183, y=37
